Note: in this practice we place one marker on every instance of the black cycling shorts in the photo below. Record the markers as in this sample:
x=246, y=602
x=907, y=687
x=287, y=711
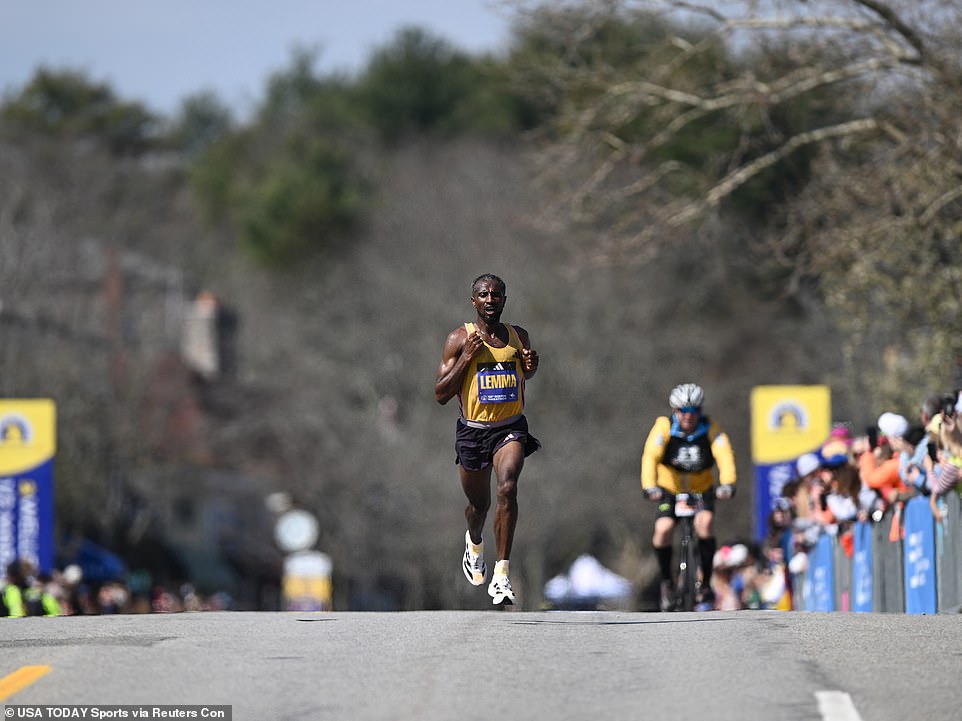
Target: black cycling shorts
x=474, y=448
x=666, y=506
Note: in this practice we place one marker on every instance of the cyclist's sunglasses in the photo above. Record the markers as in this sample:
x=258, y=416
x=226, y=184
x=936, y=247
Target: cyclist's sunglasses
x=690, y=409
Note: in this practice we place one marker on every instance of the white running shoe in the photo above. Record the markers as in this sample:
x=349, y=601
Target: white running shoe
x=473, y=563
x=500, y=591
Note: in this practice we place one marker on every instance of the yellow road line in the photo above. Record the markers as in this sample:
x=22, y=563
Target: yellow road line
x=21, y=678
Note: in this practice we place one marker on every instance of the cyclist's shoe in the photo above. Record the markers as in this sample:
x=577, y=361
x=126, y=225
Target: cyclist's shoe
x=667, y=596
x=473, y=563
x=500, y=591
x=704, y=599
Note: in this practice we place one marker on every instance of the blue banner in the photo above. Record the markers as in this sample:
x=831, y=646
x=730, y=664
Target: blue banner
x=27, y=445
x=26, y=517
x=769, y=481
x=821, y=575
x=920, y=586
x=862, y=577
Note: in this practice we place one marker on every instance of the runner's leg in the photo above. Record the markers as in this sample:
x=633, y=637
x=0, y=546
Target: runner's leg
x=508, y=462
x=477, y=489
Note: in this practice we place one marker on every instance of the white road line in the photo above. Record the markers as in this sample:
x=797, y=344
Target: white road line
x=836, y=706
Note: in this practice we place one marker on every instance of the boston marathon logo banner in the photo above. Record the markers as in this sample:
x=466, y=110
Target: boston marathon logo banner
x=27, y=445
x=787, y=422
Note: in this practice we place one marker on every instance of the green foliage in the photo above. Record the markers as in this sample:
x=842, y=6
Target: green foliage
x=300, y=209
x=202, y=120
x=292, y=90
x=421, y=84
x=67, y=103
x=215, y=174
x=566, y=56
x=638, y=95
x=585, y=36
x=290, y=199
x=290, y=183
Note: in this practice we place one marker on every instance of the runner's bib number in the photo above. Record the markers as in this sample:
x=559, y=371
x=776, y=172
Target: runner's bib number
x=497, y=383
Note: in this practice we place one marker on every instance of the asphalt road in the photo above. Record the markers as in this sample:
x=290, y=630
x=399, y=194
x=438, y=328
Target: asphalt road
x=511, y=665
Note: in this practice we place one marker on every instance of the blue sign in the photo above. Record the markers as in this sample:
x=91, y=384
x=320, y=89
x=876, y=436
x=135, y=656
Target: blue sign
x=862, y=577
x=27, y=445
x=770, y=479
x=26, y=517
x=920, y=587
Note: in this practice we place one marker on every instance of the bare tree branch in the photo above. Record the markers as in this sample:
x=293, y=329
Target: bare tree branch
x=892, y=19
x=742, y=175
x=938, y=204
x=856, y=100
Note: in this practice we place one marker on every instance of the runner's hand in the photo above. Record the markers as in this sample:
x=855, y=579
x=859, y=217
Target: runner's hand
x=529, y=360
x=473, y=345
x=654, y=494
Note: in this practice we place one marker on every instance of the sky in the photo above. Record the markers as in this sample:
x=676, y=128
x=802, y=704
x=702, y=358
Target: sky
x=159, y=53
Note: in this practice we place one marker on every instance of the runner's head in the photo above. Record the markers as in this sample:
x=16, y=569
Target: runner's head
x=488, y=278
x=488, y=297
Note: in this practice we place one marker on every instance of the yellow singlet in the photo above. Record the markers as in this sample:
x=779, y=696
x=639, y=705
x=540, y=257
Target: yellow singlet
x=492, y=392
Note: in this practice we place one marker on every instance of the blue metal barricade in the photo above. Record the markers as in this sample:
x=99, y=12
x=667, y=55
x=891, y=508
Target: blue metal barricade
x=907, y=562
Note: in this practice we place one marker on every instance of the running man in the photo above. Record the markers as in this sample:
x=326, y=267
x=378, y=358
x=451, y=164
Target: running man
x=485, y=364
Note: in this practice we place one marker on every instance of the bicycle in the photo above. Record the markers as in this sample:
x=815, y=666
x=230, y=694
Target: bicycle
x=687, y=505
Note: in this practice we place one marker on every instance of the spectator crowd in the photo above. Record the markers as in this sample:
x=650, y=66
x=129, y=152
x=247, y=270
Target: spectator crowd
x=849, y=479
x=26, y=592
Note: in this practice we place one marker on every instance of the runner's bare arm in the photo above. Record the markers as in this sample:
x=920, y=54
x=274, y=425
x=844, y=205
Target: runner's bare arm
x=459, y=349
x=529, y=356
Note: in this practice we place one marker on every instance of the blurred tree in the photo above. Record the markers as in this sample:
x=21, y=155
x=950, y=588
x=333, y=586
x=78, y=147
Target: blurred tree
x=420, y=83
x=298, y=180
x=202, y=120
x=628, y=122
x=291, y=183
x=818, y=132
x=307, y=203
x=214, y=175
x=68, y=103
x=290, y=90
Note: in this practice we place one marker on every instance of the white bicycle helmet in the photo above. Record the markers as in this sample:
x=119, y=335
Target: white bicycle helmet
x=686, y=395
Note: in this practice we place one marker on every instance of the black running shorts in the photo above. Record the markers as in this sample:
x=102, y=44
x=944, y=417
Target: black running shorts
x=474, y=448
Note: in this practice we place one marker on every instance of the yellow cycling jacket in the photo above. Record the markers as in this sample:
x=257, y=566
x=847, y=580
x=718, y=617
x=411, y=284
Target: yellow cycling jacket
x=679, y=462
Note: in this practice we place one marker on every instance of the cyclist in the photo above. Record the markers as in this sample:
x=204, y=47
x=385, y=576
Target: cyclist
x=680, y=455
